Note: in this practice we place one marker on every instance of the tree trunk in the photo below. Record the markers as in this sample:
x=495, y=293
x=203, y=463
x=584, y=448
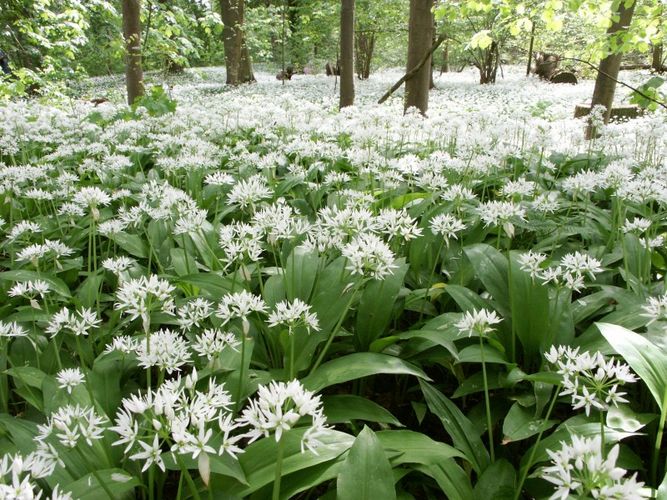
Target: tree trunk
x=530, y=48
x=605, y=83
x=364, y=47
x=656, y=59
x=445, y=59
x=420, y=38
x=246, y=74
x=232, y=35
x=347, y=53
x=134, y=75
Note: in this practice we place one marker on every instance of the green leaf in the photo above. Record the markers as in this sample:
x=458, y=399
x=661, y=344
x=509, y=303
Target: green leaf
x=259, y=459
x=461, y=430
x=377, y=304
x=473, y=354
x=491, y=269
x=119, y=482
x=212, y=284
x=366, y=473
x=131, y=243
x=347, y=407
x=531, y=317
x=647, y=359
x=301, y=272
x=358, y=365
x=415, y=448
x=497, y=482
x=521, y=423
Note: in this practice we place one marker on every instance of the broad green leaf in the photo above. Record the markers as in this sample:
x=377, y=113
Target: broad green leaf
x=358, y=365
x=117, y=481
x=452, y=479
x=491, y=269
x=531, y=319
x=347, y=407
x=521, y=423
x=415, y=448
x=131, y=243
x=461, y=430
x=213, y=285
x=366, y=473
x=645, y=358
x=259, y=459
x=497, y=482
x=376, y=306
x=473, y=354
x=300, y=273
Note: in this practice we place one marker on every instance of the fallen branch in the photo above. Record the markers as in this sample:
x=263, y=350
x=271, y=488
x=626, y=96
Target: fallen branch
x=414, y=70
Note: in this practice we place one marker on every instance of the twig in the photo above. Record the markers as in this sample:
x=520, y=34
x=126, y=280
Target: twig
x=414, y=70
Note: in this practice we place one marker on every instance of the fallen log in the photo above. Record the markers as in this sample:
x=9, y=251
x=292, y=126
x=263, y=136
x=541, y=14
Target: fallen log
x=414, y=70
x=624, y=111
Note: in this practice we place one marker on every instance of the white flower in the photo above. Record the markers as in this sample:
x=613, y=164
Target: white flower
x=655, y=308
x=579, y=470
x=211, y=342
x=78, y=323
x=369, y=256
x=447, y=225
x=240, y=305
x=590, y=380
x=294, y=314
x=151, y=454
x=249, y=191
x=138, y=297
x=69, y=378
x=478, y=322
x=278, y=407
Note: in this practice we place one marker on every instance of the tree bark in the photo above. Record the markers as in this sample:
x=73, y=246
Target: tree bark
x=420, y=39
x=445, y=59
x=414, y=70
x=134, y=75
x=605, y=83
x=347, y=53
x=246, y=74
x=656, y=58
x=530, y=48
x=232, y=35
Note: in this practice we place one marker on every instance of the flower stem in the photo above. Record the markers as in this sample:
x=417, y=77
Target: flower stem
x=333, y=333
x=487, y=401
x=278, y=472
x=529, y=463
x=239, y=390
x=658, y=440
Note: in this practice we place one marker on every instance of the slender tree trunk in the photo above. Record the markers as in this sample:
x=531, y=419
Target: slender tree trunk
x=420, y=38
x=445, y=59
x=347, y=53
x=530, y=48
x=232, y=34
x=656, y=59
x=605, y=87
x=134, y=75
x=246, y=74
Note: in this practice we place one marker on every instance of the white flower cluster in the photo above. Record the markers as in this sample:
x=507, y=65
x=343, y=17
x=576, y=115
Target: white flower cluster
x=589, y=379
x=478, y=322
x=569, y=273
x=580, y=470
x=139, y=297
x=19, y=476
x=655, y=309
x=71, y=425
x=77, y=323
x=294, y=314
x=279, y=407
